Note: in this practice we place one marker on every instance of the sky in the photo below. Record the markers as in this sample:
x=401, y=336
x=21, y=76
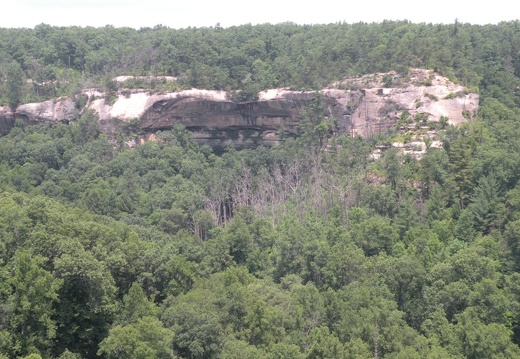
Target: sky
x=205, y=13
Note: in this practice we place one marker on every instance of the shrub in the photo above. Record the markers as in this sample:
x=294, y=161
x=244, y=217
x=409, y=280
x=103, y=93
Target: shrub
x=450, y=96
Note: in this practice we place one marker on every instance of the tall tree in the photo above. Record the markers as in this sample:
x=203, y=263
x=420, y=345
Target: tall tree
x=33, y=299
x=15, y=84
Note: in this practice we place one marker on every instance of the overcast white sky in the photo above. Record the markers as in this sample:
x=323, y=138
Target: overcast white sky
x=200, y=13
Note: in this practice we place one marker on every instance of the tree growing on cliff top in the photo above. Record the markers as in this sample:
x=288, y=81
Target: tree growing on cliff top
x=15, y=83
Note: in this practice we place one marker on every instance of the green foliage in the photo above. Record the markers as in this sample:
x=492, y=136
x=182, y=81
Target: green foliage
x=197, y=331
x=34, y=293
x=146, y=338
x=85, y=128
x=238, y=349
x=305, y=250
x=253, y=58
x=374, y=235
x=450, y=96
x=137, y=306
x=387, y=80
x=15, y=84
x=486, y=206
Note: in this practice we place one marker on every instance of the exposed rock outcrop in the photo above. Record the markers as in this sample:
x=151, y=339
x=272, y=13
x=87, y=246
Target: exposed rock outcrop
x=6, y=120
x=213, y=117
x=362, y=106
x=61, y=110
x=422, y=95
x=47, y=112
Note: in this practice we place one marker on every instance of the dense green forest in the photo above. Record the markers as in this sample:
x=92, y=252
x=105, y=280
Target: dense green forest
x=63, y=60
x=304, y=250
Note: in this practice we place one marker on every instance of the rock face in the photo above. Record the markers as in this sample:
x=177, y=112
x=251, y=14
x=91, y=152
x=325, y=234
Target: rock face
x=423, y=96
x=6, y=120
x=214, y=118
x=48, y=111
x=363, y=106
x=62, y=110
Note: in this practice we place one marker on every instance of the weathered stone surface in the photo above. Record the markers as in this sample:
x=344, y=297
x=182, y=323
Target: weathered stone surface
x=6, y=120
x=423, y=92
x=215, y=111
x=47, y=112
x=62, y=110
x=214, y=118
x=362, y=106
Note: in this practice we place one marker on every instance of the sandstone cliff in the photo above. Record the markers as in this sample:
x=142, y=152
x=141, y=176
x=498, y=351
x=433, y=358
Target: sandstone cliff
x=361, y=106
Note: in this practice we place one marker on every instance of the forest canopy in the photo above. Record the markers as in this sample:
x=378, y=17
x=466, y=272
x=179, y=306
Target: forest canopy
x=309, y=249
x=62, y=60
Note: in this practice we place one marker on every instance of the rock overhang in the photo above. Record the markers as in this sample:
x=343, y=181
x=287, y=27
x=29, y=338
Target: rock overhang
x=362, y=106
